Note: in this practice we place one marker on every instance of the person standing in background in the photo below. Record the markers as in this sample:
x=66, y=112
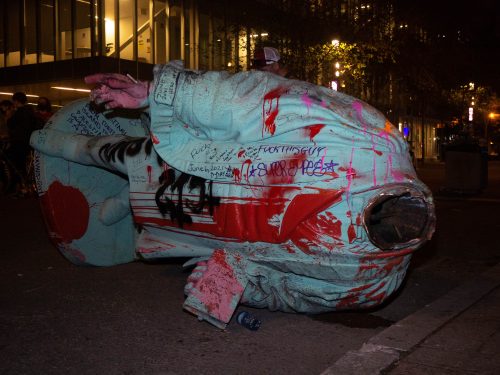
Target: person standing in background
x=267, y=59
x=6, y=110
x=43, y=110
x=20, y=126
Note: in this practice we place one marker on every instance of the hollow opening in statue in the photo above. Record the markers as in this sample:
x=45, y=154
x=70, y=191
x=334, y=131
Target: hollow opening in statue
x=395, y=221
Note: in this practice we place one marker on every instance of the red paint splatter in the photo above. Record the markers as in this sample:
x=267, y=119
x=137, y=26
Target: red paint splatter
x=237, y=175
x=270, y=109
x=351, y=233
x=388, y=267
x=149, y=170
x=155, y=139
x=358, y=220
x=241, y=153
x=304, y=219
x=313, y=130
x=66, y=212
x=245, y=166
x=218, y=287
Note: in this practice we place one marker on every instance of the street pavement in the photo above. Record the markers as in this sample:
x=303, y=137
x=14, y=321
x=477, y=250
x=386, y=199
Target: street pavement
x=459, y=332
x=56, y=318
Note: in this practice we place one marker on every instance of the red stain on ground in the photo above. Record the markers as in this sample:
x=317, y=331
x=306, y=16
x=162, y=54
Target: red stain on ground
x=66, y=211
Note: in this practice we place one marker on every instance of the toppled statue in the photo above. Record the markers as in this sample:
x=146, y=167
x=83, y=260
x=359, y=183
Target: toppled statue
x=285, y=194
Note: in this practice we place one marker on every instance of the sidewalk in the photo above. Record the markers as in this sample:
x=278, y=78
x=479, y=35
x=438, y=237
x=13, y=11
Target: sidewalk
x=458, y=333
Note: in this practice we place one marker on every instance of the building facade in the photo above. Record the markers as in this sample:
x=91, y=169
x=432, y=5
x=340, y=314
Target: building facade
x=48, y=46
x=55, y=43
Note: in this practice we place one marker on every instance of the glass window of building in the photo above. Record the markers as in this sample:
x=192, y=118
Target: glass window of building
x=126, y=28
x=2, y=36
x=30, y=32
x=143, y=32
x=160, y=31
x=13, y=50
x=175, y=31
x=187, y=41
x=218, y=45
x=109, y=28
x=47, y=42
x=65, y=32
x=204, y=41
x=83, y=36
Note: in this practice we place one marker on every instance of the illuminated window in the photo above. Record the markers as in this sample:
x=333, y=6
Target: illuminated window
x=47, y=43
x=31, y=33
x=160, y=31
x=126, y=10
x=109, y=29
x=143, y=32
x=82, y=32
x=13, y=43
x=65, y=34
x=175, y=31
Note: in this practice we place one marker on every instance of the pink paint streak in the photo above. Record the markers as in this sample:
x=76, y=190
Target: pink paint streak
x=307, y=101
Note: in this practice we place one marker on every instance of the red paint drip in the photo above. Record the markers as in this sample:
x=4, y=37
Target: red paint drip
x=66, y=212
x=358, y=220
x=270, y=109
x=237, y=175
x=313, y=130
x=245, y=166
x=149, y=170
x=351, y=233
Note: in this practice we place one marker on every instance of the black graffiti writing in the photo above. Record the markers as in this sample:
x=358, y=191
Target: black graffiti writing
x=128, y=146
x=168, y=180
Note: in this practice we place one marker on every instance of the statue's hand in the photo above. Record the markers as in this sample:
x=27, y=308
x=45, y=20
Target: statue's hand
x=118, y=91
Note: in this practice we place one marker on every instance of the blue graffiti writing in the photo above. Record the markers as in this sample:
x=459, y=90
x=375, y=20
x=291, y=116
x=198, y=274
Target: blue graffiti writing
x=291, y=168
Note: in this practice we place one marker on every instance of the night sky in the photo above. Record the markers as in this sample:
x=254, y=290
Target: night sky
x=472, y=30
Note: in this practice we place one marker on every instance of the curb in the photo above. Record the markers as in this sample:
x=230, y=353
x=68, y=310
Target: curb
x=383, y=350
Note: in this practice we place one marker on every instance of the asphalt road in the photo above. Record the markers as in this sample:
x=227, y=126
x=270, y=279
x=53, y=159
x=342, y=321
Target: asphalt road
x=56, y=318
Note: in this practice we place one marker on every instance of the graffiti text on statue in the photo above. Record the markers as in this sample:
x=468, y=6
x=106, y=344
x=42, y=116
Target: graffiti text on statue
x=292, y=168
x=314, y=151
